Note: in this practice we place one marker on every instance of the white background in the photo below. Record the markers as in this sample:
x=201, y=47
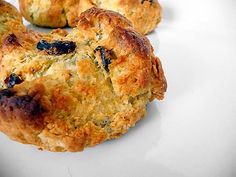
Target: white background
x=192, y=133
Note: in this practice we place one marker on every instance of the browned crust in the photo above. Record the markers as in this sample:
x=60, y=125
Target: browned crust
x=11, y=19
x=136, y=43
x=144, y=15
x=90, y=17
x=7, y=8
x=27, y=108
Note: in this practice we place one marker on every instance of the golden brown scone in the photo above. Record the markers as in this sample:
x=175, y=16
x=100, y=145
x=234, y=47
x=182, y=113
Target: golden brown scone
x=10, y=19
x=65, y=92
x=144, y=14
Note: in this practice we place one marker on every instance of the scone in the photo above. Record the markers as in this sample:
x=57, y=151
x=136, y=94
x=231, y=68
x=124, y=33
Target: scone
x=65, y=92
x=10, y=19
x=144, y=14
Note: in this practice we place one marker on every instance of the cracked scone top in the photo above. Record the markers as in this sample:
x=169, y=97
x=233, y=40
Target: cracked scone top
x=144, y=14
x=65, y=92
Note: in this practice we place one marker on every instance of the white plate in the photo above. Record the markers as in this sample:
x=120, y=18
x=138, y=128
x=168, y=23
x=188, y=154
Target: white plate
x=190, y=134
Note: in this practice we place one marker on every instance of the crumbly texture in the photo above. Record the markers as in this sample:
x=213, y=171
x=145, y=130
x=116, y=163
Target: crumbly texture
x=10, y=19
x=144, y=14
x=69, y=101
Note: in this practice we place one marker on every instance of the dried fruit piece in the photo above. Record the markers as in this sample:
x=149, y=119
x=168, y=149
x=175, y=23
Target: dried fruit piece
x=56, y=47
x=12, y=80
x=106, y=56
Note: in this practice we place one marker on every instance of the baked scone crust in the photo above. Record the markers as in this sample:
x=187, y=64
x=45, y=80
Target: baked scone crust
x=10, y=19
x=66, y=102
x=144, y=14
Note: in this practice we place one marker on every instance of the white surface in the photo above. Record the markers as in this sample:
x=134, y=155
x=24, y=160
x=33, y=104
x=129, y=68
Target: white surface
x=190, y=134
